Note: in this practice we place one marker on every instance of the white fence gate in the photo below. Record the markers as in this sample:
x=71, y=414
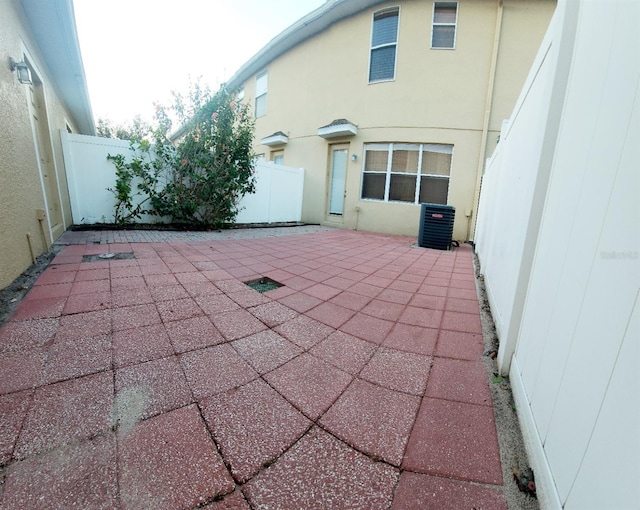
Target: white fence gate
x=278, y=195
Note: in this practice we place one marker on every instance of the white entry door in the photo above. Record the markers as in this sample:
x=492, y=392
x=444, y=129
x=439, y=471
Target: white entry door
x=337, y=179
x=42, y=139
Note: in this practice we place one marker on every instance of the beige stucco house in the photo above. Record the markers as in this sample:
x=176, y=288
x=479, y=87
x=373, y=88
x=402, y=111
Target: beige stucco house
x=42, y=91
x=390, y=104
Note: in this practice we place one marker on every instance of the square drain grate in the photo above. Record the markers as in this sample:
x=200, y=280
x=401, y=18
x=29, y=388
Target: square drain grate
x=264, y=284
x=108, y=256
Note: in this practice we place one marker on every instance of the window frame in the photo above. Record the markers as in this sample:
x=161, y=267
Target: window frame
x=390, y=147
x=264, y=73
x=454, y=25
x=386, y=10
x=275, y=154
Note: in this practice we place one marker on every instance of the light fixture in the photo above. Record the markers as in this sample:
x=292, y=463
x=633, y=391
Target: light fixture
x=24, y=74
x=354, y=157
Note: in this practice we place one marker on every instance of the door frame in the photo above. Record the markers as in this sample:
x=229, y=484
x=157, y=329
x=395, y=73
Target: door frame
x=336, y=218
x=40, y=89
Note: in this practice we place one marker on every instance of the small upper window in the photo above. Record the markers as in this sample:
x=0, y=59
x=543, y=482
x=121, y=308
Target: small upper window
x=262, y=84
x=384, y=39
x=240, y=95
x=443, y=32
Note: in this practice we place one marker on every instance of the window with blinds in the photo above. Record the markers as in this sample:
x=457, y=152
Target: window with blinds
x=262, y=85
x=401, y=172
x=443, y=30
x=384, y=40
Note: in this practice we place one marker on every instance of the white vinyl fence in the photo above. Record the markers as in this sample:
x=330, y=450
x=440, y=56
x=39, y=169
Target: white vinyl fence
x=558, y=239
x=278, y=195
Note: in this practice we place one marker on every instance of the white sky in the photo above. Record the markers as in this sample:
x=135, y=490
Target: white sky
x=136, y=51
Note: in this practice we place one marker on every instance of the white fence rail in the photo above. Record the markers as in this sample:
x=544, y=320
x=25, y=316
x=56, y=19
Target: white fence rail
x=278, y=195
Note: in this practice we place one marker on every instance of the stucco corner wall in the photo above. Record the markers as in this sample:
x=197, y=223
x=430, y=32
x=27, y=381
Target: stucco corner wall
x=21, y=187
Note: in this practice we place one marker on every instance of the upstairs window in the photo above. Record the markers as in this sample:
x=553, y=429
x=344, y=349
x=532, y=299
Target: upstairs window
x=443, y=31
x=401, y=172
x=384, y=39
x=262, y=84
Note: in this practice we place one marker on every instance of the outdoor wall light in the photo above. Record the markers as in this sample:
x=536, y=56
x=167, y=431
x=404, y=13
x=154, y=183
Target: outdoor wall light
x=354, y=157
x=24, y=75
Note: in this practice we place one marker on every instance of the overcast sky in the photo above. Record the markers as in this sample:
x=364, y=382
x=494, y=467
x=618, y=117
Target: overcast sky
x=136, y=51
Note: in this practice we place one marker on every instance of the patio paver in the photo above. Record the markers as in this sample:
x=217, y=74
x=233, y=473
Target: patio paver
x=321, y=472
x=163, y=381
x=253, y=425
x=80, y=475
x=66, y=412
x=373, y=419
x=309, y=383
x=170, y=461
x=454, y=439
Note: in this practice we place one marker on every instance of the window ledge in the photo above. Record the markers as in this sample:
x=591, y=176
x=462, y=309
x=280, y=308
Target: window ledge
x=384, y=80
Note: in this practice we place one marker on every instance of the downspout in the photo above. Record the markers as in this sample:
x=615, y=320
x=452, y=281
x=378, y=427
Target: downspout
x=487, y=115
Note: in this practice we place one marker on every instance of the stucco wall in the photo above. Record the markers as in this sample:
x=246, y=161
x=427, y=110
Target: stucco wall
x=438, y=96
x=21, y=192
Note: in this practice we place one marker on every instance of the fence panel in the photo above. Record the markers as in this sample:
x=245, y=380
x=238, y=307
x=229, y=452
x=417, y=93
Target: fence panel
x=278, y=196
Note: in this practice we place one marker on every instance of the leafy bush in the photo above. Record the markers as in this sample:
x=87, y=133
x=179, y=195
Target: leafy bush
x=197, y=175
x=146, y=170
x=138, y=129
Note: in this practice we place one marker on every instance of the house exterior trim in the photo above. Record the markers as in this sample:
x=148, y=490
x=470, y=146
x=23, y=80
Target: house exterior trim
x=312, y=24
x=54, y=29
x=338, y=128
x=276, y=139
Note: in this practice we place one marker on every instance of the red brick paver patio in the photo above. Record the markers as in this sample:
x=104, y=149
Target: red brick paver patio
x=162, y=381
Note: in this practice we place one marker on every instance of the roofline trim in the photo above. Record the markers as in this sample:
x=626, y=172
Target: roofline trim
x=66, y=68
x=306, y=27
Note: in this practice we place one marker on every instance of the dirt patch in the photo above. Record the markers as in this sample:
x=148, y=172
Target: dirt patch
x=513, y=454
x=11, y=295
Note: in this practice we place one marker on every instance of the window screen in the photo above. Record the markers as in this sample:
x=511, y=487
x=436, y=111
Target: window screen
x=384, y=40
x=262, y=85
x=443, y=32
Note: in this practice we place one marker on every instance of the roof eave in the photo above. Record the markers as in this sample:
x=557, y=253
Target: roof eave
x=54, y=27
x=308, y=26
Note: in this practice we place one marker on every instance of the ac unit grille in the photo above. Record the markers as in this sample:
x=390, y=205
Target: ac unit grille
x=436, y=226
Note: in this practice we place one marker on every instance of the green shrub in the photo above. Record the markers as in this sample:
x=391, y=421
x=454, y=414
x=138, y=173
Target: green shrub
x=198, y=175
